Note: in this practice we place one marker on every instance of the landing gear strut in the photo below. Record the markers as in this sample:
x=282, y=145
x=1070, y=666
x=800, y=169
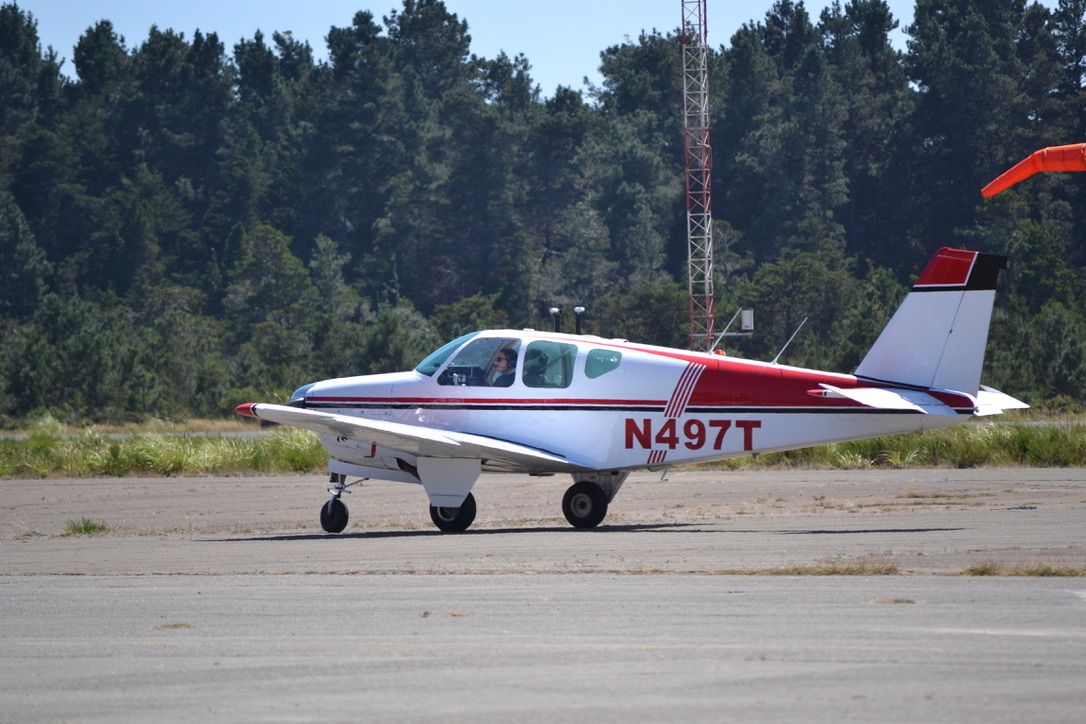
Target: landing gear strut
x=334, y=513
x=454, y=520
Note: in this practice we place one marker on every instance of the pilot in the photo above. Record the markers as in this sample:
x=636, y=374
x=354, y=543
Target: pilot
x=504, y=368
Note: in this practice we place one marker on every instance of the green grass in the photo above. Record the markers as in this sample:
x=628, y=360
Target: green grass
x=94, y=455
x=49, y=451
x=85, y=526
x=964, y=446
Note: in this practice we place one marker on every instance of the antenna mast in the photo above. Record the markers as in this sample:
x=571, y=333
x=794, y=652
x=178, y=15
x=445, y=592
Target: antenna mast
x=698, y=156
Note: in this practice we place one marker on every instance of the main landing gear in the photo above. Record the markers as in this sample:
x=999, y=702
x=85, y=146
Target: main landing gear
x=584, y=505
x=585, y=502
x=454, y=520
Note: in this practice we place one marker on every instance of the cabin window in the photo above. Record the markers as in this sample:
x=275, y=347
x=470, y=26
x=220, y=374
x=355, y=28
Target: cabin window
x=487, y=362
x=601, y=361
x=435, y=359
x=549, y=364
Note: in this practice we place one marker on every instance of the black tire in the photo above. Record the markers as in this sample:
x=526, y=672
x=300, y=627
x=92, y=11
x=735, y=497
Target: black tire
x=584, y=505
x=454, y=520
x=334, y=516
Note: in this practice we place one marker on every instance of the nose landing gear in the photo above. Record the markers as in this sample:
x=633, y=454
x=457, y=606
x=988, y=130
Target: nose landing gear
x=334, y=514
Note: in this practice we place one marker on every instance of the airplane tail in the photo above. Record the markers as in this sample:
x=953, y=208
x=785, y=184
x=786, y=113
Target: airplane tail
x=937, y=336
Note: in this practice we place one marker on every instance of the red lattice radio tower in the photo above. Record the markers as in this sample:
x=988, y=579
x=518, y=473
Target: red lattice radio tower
x=698, y=155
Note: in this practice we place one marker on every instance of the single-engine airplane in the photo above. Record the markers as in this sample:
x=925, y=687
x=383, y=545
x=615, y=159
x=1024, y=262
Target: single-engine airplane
x=599, y=408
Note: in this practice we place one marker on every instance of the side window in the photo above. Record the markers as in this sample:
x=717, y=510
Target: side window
x=601, y=361
x=489, y=362
x=549, y=364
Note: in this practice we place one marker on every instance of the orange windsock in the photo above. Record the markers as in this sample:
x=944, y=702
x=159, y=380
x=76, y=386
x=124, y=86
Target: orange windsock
x=1053, y=158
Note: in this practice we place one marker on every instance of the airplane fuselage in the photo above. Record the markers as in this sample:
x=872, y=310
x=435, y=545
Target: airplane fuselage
x=654, y=408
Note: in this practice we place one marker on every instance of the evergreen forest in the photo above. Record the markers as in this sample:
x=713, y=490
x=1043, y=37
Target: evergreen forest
x=185, y=225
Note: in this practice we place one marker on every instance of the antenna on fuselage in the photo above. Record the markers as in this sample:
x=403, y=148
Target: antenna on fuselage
x=578, y=312
x=789, y=341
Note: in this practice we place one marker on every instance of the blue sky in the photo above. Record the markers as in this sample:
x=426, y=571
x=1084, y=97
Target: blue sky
x=562, y=39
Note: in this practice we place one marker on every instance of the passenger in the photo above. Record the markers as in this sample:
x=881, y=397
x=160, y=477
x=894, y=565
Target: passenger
x=535, y=368
x=504, y=368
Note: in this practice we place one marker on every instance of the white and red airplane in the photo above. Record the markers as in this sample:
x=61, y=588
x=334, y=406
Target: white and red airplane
x=543, y=403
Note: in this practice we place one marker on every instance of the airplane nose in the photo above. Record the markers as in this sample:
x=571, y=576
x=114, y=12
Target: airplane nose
x=246, y=408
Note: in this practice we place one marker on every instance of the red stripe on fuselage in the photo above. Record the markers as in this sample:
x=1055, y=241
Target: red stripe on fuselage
x=489, y=401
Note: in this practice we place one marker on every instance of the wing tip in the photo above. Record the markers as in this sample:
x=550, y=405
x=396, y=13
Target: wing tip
x=246, y=409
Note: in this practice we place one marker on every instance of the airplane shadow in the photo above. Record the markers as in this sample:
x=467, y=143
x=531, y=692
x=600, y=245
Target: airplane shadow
x=631, y=528
x=379, y=534
x=861, y=531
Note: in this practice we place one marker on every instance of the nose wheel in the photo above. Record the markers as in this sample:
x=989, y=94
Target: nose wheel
x=334, y=514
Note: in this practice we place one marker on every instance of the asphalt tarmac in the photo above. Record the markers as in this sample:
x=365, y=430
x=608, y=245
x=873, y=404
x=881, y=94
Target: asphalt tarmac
x=219, y=598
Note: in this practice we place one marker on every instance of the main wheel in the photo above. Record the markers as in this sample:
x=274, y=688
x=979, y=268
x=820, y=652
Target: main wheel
x=584, y=504
x=454, y=520
x=334, y=515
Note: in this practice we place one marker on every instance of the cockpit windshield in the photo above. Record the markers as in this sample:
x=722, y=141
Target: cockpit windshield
x=437, y=358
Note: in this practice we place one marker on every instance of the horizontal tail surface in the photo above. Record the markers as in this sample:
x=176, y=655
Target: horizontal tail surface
x=936, y=338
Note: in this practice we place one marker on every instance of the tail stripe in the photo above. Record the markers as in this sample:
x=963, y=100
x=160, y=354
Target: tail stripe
x=958, y=269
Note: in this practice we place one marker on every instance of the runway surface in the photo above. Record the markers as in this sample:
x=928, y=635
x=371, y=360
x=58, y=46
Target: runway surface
x=220, y=598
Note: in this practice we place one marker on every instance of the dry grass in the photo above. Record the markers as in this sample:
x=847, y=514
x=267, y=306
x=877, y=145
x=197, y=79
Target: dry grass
x=1036, y=569
x=816, y=569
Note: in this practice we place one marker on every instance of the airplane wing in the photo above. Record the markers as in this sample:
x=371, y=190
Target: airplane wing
x=414, y=439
